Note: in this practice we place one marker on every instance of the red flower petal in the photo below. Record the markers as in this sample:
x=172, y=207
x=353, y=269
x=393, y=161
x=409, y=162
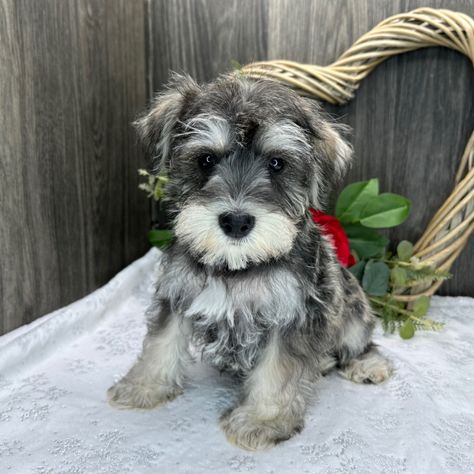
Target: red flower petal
x=331, y=227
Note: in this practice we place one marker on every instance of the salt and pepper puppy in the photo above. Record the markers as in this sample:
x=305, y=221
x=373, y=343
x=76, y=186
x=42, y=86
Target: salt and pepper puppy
x=249, y=277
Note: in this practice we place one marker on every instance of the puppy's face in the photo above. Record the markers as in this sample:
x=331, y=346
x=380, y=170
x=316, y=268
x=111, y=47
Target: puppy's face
x=245, y=160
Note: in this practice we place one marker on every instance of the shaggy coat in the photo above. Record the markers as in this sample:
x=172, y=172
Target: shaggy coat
x=249, y=278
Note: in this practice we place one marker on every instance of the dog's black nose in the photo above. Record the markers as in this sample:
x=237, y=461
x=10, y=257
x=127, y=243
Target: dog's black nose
x=236, y=225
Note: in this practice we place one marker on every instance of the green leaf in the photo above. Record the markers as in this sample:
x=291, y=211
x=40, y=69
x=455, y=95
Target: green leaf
x=354, y=198
x=358, y=269
x=405, y=250
x=407, y=331
x=385, y=210
x=417, y=275
x=398, y=276
x=421, y=305
x=366, y=242
x=235, y=65
x=387, y=320
x=160, y=237
x=375, y=279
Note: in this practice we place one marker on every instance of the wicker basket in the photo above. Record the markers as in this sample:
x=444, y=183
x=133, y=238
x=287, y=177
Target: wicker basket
x=450, y=228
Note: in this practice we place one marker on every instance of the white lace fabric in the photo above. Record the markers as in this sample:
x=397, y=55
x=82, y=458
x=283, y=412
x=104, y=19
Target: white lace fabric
x=54, y=417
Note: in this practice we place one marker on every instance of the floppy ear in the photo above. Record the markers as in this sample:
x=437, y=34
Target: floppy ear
x=337, y=151
x=331, y=151
x=157, y=126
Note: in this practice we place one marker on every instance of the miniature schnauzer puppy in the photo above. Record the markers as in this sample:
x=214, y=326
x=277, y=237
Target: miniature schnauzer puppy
x=249, y=278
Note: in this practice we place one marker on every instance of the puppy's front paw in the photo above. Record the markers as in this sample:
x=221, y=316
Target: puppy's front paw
x=127, y=394
x=245, y=430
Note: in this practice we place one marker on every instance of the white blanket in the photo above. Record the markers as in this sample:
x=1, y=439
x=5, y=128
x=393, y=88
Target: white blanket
x=54, y=417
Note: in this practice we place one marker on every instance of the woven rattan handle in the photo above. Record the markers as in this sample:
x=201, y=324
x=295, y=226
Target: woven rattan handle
x=450, y=228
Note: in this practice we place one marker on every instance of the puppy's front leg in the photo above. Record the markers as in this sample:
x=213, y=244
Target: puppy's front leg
x=274, y=401
x=158, y=374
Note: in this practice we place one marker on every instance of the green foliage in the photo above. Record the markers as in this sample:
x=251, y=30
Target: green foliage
x=417, y=274
x=407, y=329
x=395, y=315
x=154, y=185
x=354, y=198
x=366, y=242
x=362, y=210
x=358, y=269
x=375, y=278
x=405, y=250
x=160, y=237
x=421, y=305
x=155, y=188
x=361, y=203
x=386, y=210
x=235, y=65
x=398, y=276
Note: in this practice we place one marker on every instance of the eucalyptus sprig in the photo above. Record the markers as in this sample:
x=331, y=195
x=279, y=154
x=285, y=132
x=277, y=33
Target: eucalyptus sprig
x=362, y=210
x=154, y=187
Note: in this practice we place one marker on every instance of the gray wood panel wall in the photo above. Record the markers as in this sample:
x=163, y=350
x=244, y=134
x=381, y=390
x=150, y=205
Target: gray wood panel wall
x=72, y=77
x=74, y=73
x=411, y=118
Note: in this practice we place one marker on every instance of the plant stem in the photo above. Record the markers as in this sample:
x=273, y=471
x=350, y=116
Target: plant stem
x=424, y=322
x=391, y=306
x=393, y=262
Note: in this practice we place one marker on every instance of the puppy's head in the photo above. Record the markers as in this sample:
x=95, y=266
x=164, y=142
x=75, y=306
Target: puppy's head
x=245, y=161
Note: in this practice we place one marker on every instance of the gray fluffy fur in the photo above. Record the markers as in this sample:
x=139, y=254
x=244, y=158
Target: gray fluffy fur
x=274, y=307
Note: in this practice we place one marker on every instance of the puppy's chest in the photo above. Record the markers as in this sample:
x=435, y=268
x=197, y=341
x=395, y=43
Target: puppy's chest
x=232, y=317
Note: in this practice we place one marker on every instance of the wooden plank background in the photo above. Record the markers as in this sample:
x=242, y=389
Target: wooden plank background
x=74, y=73
x=411, y=117
x=72, y=77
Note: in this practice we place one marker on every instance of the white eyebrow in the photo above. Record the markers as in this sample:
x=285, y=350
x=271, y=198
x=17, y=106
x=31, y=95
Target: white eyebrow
x=283, y=135
x=207, y=131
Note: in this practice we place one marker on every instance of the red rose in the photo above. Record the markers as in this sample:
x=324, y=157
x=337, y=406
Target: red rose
x=333, y=228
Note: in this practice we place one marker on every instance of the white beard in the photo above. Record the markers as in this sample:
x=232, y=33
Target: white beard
x=198, y=227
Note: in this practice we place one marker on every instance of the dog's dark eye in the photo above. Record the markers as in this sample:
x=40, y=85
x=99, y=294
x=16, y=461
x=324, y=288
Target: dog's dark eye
x=276, y=164
x=207, y=161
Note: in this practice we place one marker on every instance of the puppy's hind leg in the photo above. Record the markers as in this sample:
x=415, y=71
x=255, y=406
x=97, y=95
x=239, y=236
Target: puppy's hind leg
x=359, y=359
x=158, y=374
x=369, y=367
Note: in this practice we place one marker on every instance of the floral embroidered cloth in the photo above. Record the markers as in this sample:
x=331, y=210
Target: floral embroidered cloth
x=54, y=417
